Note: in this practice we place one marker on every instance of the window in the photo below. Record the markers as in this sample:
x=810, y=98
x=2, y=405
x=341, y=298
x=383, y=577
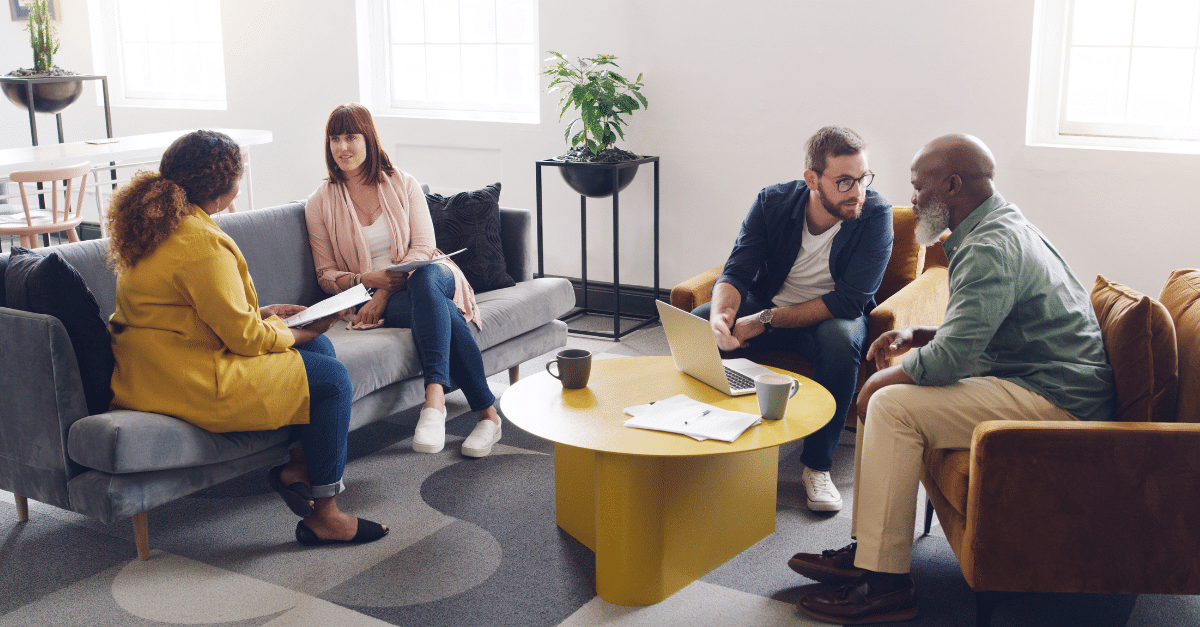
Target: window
x=160, y=53
x=1116, y=73
x=455, y=59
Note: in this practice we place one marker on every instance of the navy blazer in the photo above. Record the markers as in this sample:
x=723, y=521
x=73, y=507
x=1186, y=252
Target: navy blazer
x=767, y=246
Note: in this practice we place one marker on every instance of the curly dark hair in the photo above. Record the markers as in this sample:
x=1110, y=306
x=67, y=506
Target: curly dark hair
x=196, y=169
x=831, y=141
x=354, y=119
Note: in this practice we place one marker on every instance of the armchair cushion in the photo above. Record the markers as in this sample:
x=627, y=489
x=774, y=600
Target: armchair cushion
x=907, y=255
x=1181, y=296
x=1140, y=340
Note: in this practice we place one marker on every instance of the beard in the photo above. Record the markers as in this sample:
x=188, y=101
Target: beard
x=932, y=221
x=847, y=211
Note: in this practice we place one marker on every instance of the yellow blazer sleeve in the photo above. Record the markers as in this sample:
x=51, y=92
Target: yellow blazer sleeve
x=223, y=297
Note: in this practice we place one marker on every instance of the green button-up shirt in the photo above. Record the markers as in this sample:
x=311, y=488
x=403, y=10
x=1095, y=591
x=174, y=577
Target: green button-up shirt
x=1017, y=312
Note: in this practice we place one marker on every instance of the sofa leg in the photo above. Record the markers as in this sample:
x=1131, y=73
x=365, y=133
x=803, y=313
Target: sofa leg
x=22, y=508
x=141, y=535
x=928, y=515
x=514, y=374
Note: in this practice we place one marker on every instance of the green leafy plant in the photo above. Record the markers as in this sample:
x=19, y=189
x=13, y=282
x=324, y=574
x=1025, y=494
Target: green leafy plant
x=600, y=95
x=42, y=36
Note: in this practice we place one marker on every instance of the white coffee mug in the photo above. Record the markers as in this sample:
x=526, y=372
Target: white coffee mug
x=773, y=391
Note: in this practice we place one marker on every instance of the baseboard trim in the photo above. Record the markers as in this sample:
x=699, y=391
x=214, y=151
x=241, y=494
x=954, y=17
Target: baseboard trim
x=636, y=300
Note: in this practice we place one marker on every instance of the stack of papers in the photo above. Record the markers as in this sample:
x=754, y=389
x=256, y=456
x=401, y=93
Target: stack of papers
x=687, y=416
x=409, y=266
x=356, y=295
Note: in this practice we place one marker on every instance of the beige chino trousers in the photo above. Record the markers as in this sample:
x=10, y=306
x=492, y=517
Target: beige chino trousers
x=904, y=420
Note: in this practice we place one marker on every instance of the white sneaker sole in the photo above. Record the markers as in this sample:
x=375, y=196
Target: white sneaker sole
x=825, y=506
x=428, y=448
x=477, y=452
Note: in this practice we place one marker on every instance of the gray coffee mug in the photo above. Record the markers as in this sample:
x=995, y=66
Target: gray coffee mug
x=574, y=368
x=773, y=391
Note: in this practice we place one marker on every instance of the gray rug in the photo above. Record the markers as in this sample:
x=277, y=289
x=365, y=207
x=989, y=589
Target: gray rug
x=473, y=542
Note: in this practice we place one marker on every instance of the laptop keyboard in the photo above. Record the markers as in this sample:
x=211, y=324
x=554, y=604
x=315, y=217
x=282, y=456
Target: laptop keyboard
x=737, y=380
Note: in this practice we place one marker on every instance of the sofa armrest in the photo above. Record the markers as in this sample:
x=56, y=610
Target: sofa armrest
x=515, y=234
x=922, y=302
x=1104, y=507
x=43, y=397
x=695, y=291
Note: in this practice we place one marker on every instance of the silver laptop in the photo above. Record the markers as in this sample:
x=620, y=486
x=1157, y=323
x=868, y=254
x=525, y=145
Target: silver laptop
x=695, y=351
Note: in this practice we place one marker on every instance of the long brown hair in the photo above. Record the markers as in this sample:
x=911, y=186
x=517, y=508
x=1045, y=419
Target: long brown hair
x=195, y=169
x=354, y=119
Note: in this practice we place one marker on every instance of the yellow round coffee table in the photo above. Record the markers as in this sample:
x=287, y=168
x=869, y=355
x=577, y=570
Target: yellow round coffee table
x=660, y=510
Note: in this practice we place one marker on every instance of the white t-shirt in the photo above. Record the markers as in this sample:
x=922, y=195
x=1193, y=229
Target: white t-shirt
x=810, y=277
x=379, y=241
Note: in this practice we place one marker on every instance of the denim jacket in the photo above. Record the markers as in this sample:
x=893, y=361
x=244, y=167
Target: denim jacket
x=767, y=246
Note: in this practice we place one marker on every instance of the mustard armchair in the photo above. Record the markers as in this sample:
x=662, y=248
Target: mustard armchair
x=1097, y=507
x=911, y=293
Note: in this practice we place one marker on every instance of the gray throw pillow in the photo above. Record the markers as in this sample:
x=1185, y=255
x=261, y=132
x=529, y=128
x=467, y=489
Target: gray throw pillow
x=471, y=220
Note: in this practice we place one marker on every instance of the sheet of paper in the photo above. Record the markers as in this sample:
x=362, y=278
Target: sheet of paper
x=686, y=416
x=347, y=299
x=409, y=266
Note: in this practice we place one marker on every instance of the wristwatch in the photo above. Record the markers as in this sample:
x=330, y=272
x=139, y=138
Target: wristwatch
x=765, y=317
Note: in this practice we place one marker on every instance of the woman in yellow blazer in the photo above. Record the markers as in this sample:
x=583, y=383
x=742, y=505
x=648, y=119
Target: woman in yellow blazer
x=190, y=340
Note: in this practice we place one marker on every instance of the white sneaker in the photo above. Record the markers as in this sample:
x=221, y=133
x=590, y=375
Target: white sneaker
x=430, y=436
x=483, y=436
x=821, y=493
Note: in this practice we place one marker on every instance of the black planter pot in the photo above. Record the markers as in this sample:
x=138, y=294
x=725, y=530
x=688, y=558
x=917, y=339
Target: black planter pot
x=48, y=97
x=594, y=180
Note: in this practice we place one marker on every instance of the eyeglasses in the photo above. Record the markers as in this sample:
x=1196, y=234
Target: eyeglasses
x=845, y=185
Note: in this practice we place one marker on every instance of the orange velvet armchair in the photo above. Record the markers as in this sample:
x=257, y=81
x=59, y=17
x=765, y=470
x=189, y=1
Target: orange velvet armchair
x=1098, y=507
x=904, y=298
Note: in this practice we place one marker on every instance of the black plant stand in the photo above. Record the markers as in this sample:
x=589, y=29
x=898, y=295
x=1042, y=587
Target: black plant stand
x=616, y=314
x=30, y=81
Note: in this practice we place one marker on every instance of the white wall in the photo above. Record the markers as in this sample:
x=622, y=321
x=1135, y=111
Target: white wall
x=734, y=89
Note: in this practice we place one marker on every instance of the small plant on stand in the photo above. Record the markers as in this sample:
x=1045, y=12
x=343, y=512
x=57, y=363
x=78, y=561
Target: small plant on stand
x=601, y=97
x=43, y=38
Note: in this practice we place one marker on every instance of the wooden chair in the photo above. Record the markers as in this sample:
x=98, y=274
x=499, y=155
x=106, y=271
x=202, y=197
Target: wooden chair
x=65, y=204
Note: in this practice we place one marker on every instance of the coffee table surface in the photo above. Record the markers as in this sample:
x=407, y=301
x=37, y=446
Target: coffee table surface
x=592, y=418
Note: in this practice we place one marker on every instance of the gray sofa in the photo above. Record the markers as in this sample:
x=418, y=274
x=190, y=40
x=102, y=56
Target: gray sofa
x=121, y=464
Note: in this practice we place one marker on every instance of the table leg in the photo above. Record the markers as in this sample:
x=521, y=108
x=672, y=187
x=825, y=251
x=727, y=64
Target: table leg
x=660, y=523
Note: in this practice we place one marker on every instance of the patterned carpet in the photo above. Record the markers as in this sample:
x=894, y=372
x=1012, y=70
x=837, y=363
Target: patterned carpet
x=473, y=542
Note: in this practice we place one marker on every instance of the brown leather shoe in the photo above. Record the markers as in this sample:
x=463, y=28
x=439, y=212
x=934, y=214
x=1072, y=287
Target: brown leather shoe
x=836, y=567
x=856, y=604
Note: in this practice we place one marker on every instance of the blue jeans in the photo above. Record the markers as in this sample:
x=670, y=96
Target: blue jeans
x=443, y=336
x=835, y=347
x=324, y=437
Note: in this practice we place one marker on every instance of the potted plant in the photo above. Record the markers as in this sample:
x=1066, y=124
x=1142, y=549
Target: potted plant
x=600, y=97
x=49, y=97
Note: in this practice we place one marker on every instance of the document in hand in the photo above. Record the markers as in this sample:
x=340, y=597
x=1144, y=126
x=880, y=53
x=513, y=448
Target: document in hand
x=686, y=416
x=347, y=299
x=409, y=266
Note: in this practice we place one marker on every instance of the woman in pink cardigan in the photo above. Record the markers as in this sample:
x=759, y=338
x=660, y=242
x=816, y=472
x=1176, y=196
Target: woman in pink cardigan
x=369, y=215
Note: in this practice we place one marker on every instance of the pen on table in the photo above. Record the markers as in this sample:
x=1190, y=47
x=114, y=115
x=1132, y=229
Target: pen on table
x=701, y=415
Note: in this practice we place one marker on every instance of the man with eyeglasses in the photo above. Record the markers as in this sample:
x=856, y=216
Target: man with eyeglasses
x=1020, y=341
x=802, y=277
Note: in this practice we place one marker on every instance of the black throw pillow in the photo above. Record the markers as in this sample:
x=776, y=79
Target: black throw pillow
x=471, y=220
x=49, y=285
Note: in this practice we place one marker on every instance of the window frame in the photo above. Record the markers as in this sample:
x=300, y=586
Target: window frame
x=1046, y=123
x=108, y=60
x=375, y=75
